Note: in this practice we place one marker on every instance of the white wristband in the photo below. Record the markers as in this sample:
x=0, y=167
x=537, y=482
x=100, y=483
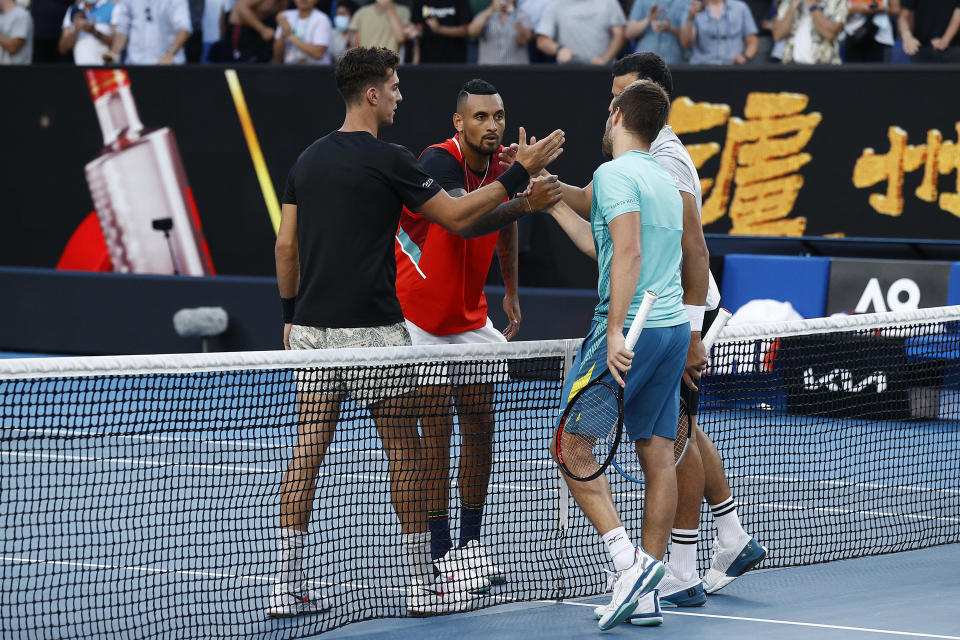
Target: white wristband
x=695, y=313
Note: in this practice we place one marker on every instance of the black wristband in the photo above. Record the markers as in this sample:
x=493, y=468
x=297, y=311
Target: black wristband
x=515, y=179
x=288, y=306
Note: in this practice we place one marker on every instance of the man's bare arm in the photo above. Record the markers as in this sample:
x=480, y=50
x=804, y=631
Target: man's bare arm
x=625, y=267
x=576, y=228
x=508, y=255
x=287, y=255
x=578, y=199
x=248, y=17
x=695, y=279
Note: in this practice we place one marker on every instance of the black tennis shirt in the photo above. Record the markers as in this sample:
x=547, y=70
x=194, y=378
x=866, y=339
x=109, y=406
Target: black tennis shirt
x=349, y=189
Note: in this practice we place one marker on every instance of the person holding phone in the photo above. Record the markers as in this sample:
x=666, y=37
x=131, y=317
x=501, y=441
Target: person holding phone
x=719, y=32
x=87, y=31
x=503, y=32
x=868, y=34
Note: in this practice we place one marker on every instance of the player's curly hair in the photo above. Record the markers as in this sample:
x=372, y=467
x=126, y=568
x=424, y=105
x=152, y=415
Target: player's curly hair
x=647, y=66
x=362, y=67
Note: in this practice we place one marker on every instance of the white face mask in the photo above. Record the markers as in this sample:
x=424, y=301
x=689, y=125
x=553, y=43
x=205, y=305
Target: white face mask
x=341, y=22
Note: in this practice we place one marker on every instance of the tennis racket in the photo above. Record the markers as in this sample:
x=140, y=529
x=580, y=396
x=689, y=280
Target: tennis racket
x=589, y=430
x=684, y=428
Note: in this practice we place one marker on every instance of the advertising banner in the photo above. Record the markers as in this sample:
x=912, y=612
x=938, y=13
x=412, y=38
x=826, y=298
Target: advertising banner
x=164, y=170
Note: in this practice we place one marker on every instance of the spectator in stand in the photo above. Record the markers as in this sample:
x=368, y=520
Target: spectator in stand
x=868, y=34
x=811, y=30
x=214, y=24
x=764, y=13
x=503, y=32
x=47, y=27
x=534, y=10
x=380, y=24
x=442, y=29
x=88, y=31
x=582, y=31
x=252, y=25
x=657, y=23
x=719, y=32
x=16, y=34
x=929, y=30
x=153, y=31
x=339, y=37
x=303, y=35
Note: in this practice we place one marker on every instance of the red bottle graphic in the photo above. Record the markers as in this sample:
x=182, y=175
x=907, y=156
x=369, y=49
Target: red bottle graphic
x=140, y=190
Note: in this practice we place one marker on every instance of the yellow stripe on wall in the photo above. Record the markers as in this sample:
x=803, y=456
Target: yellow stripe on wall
x=259, y=165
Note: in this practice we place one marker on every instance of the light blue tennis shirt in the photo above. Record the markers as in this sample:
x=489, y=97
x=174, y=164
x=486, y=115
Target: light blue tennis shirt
x=636, y=182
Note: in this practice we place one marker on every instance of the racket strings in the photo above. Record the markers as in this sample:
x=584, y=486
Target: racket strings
x=590, y=431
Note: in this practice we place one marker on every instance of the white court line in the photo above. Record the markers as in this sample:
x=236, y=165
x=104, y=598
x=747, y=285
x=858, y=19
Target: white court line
x=884, y=514
x=373, y=453
x=211, y=574
x=140, y=462
x=383, y=478
x=786, y=622
x=841, y=483
x=64, y=432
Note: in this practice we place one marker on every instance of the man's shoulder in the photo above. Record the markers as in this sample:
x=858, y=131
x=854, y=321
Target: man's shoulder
x=318, y=16
x=363, y=12
x=622, y=167
x=668, y=144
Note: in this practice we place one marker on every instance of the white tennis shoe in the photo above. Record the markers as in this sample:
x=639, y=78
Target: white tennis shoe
x=729, y=564
x=438, y=598
x=647, y=613
x=289, y=605
x=471, y=560
x=675, y=592
x=631, y=584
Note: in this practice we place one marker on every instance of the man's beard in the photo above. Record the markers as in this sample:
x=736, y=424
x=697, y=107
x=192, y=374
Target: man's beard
x=606, y=145
x=480, y=149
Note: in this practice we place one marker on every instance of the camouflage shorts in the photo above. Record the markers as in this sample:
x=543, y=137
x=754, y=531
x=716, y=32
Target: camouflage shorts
x=367, y=384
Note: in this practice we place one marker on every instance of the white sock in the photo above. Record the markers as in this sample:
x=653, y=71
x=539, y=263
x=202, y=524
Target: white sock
x=290, y=557
x=729, y=529
x=683, y=553
x=417, y=548
x=620, y=548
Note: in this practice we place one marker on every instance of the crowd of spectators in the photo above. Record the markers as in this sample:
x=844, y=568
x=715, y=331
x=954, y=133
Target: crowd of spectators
x=585, y=32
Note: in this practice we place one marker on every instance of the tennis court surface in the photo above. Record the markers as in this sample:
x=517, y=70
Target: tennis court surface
x=139, y=495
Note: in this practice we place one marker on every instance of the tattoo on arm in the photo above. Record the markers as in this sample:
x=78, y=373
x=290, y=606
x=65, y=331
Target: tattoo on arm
x=458, y=192
x=496, y=219
x=507, y=253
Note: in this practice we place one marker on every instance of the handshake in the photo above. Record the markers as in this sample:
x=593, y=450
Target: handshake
x=544, y=189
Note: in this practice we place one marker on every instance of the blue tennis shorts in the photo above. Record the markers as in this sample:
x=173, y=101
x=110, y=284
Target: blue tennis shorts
x=651, y=399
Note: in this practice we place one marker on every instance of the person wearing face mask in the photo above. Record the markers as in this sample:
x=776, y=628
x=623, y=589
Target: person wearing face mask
x=339, y=40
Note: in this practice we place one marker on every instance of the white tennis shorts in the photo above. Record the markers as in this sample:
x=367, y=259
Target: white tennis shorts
x=365, y=384
x=460, y=373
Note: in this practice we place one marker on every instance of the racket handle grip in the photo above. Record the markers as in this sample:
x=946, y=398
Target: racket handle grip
x=718, y=324
x=633, y=334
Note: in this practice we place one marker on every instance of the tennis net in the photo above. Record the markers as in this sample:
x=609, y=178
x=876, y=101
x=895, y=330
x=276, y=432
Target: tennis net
x=140, y=496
